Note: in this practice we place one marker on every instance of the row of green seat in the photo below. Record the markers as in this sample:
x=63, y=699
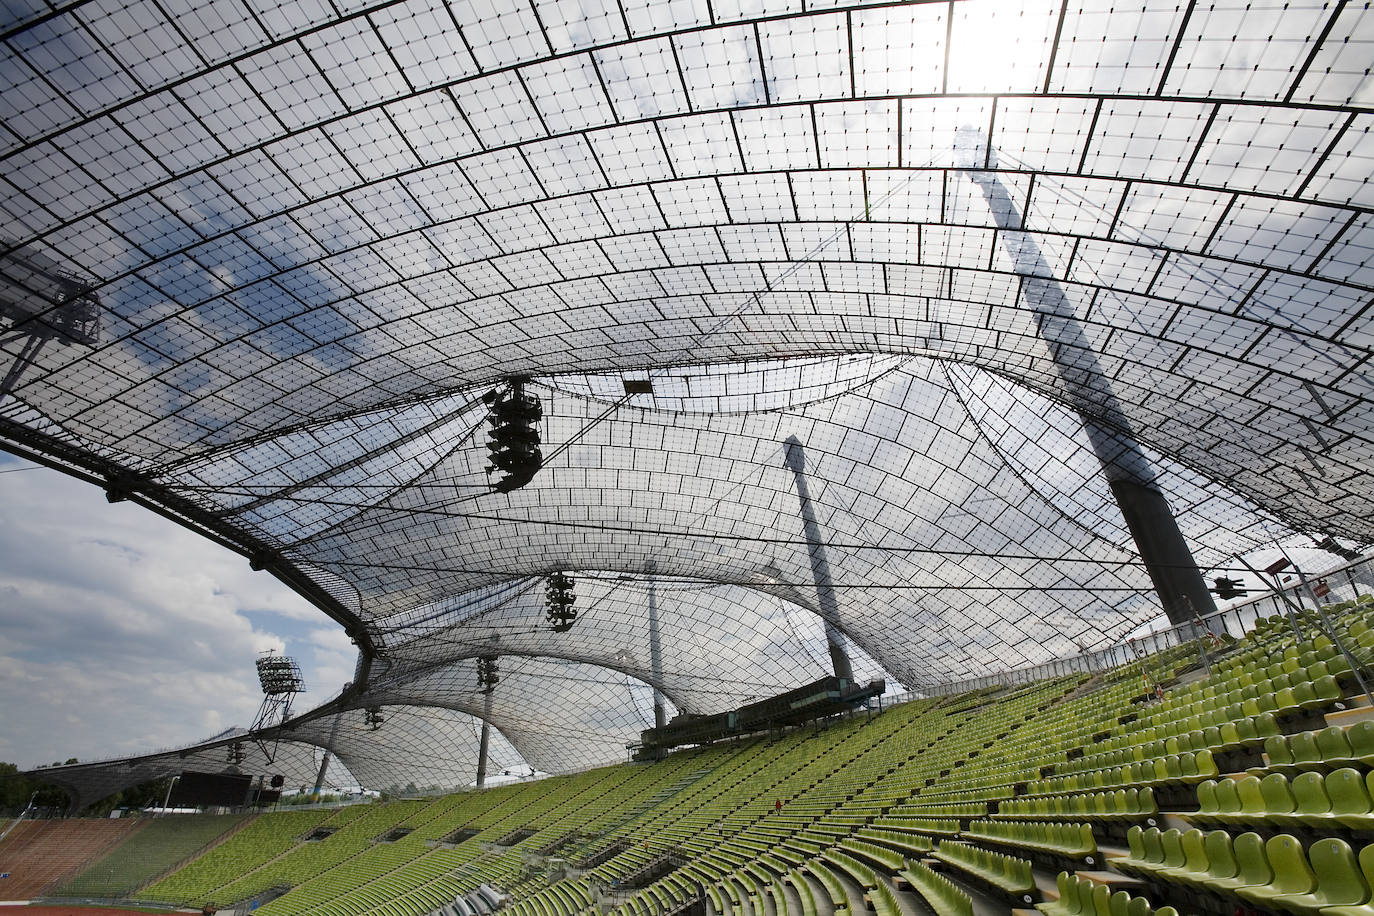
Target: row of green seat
x=1009, y=874
x=839, y=900
x=930, y=826
x=1217, y=729
x=1131, y=804
x=907, y=843
x=802, y=888
x=863, y=874
x=1073, y=840
x=944, y=897
x=883, y=856
x=1275, y=875
x=884, y=900
x=1289, y=688
x=1342, y=798
x=1174, y=768
x=1085, y=897
x=1326, y=749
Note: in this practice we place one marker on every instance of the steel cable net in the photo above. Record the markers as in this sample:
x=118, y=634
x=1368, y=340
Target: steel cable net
x=1046, y=445
x=930, y=532
x=559, y=716
x=408, y=749
x=232, y=752
x=315, y=238
x=717, y=647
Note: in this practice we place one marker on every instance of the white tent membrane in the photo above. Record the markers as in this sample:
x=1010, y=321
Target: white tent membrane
x=928, y=242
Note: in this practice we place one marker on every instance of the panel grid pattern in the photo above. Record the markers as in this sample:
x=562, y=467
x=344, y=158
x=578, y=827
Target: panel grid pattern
x=930, y=240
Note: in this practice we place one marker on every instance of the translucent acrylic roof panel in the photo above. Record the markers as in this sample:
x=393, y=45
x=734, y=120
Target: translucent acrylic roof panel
x=750, y=637
x=560, y=716
x=258, y=269
x=410, y=748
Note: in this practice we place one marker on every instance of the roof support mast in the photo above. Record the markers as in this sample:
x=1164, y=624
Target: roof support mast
x=820, y=566
x=324, y=760
x=1168, y=560
x=656, y=657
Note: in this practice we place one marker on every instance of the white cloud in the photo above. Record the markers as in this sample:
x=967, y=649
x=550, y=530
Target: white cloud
x=121, y=632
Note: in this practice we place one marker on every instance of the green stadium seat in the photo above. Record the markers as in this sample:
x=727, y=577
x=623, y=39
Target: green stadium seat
x=1068, y=903
x=1292, y=875
x=1278, y=755
x=1350, y=801
x=1146, y=851
x=1194, y=859
x=1171, y=842
x=1339, y=880
x=1334, y=747
x=1221, y=858
x=1123, y=904
x=1252, y=866
x=1305, y=751
x=1279, y=804
x=1099, y=898
x=1227, y=805
x=1361, y=738
x=1320, y=693
x=1366, y=860
x=1252, y=803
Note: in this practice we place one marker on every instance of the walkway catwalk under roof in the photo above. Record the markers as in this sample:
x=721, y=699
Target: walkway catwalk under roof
x=263, y=260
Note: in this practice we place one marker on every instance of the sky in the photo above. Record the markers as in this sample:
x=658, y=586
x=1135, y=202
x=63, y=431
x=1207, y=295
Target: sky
x=121, y=632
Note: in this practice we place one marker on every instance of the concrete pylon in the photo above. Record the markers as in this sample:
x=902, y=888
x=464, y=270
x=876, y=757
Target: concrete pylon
x=656, y=657
x=328, y=748
x=1174, y=573
x=820, y=566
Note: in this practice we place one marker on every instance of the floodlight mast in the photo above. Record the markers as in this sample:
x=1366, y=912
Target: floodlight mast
x=280, y=678
x=656, y=653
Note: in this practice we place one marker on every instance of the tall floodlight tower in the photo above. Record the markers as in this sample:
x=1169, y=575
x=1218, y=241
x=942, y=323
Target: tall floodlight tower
x=281, y=680
x=42, y=302
x=1131, y=476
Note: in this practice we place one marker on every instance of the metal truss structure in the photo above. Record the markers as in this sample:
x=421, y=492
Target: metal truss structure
x=961, y=253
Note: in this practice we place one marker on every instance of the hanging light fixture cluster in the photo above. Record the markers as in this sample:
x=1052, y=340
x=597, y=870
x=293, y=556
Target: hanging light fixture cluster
x=236, y=754
x=560, y=598
x=487, y=673
x=513, y=443
x=372, y=717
